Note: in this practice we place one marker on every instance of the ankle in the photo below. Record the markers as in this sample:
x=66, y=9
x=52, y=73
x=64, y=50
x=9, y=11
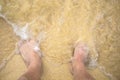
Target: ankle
x=34, y=69
x=36, y=63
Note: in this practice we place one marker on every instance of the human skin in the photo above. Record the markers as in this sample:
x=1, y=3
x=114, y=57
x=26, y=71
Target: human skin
x=34, y=63
x=78, y=63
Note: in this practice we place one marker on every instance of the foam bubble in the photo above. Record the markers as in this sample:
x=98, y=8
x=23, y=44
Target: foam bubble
x=20, y=31
x=92, y=63
x=110, y=76
x=23, y=32
x=0, y=8
x=41, y=36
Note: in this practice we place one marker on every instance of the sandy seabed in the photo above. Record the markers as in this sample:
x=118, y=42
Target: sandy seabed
x=63, y=23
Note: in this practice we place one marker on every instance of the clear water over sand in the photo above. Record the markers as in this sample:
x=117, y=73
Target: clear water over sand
x=59, y=24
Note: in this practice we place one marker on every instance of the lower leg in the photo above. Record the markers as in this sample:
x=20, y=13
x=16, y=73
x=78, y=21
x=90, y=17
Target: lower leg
x=32, y=60
x=79, y=70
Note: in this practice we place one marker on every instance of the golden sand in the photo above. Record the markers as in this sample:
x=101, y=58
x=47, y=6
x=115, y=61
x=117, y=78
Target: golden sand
x=64, y=22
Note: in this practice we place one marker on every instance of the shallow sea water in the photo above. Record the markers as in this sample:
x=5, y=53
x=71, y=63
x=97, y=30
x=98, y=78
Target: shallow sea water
x=59, y=25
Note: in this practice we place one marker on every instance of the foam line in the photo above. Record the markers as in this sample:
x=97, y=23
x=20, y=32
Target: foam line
x=0, y=8
x=110, y=76
x=23, y=33
x=20, y=31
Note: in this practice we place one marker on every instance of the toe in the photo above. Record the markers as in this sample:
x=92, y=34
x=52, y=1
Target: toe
x=81, y=52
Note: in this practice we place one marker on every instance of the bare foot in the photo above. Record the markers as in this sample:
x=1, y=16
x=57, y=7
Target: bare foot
x=27, y=51
x=78, y=63
x=32, y=60
x=81, y=52
x=80, y=56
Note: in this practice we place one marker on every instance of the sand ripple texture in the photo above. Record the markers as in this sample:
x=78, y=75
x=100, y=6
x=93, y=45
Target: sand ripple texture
x=63, y=22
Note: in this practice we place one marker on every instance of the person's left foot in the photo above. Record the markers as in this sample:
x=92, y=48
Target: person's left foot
x=32, y=60
x=26, y=49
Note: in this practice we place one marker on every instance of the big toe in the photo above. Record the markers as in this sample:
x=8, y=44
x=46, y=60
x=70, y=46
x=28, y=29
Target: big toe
x=81, y=52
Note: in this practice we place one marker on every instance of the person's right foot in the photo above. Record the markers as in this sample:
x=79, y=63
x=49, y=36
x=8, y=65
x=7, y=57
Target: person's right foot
x=80, y=55
x=78, y=63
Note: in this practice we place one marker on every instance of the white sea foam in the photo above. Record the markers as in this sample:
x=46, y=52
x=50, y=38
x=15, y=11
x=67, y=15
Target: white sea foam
x=93, y=58
x=0, y=8
x=92, y=63
x=110, y=76
x=22, y=32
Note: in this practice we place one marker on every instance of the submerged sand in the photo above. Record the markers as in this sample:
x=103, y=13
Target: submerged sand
x=63, y=22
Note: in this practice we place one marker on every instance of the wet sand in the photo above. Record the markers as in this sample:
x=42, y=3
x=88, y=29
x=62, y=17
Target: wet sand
x=64, y=23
